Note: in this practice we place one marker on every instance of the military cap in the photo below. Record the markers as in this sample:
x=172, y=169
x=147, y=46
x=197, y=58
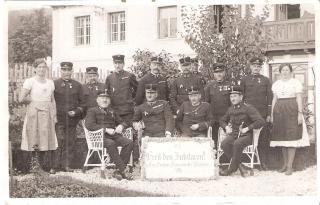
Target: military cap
x=218, y=67
x=118, y=58
x=256, y=60
x=156, y=59
x=194, y=60
x=235, y=89
x=193, y=90
x=185, y=61
x=92, y=70
x=102, y=94
x=151, y=88
x=66, y=65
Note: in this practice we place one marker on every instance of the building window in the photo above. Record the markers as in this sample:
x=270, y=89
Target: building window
x=82, y=30
x=287, y=11
x=217, y=14
x=117, y=26
x=167, y=22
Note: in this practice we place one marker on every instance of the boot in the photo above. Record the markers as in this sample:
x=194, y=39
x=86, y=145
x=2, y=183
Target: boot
x=126, y=174
x=224, y=172
x=243, y=171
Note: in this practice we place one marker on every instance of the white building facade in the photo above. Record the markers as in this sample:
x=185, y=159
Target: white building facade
x=89, y=36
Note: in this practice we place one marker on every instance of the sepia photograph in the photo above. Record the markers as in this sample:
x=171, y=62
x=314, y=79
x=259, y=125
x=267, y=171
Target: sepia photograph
x=162, y=99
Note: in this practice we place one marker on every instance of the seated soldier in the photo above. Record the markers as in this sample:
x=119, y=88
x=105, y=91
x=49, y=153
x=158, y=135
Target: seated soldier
x=103, y=116
x=155, y=114
x=194, y=117
x=238, y=122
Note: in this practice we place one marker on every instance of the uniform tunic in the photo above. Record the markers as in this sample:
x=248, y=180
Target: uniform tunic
x=245, y=113
x=179, y=89
x=69, y=97
x=257, y=92
x=217, y=94
x=122, y=86
x=91, y=92
x=199, y=75
x=149, y=78
x=98, y=118
x=157, y=118
x=233, y=146
x=188, y=115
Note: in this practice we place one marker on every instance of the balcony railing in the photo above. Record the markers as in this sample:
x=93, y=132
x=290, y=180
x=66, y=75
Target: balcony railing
x=291, y=34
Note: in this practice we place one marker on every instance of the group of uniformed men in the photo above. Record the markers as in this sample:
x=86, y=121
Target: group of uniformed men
x=189, y=105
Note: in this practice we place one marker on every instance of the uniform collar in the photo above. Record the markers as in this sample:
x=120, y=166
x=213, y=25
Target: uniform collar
x=256, y=75
x=152, y=103
x=119, y=72
x=238, y=105
x=196, y=105
x=66, y=80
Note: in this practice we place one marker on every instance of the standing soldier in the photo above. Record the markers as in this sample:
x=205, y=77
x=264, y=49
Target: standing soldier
x=217, y=94
x=195, y=70
x=121, y=86
x=153, y=77
x=155, y=114
x=257, y=92
x=70, y=104
x=92, y=87
x=238, y=122
x=178, y=91
x=194, y=117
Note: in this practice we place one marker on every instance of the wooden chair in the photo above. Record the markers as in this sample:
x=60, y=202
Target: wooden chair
x=251, y=151
x=94, y=141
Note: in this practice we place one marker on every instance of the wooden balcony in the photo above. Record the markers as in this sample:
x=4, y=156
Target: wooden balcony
x=291, y=34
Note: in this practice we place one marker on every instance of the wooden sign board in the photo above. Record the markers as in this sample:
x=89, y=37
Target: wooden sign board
x=179, y=158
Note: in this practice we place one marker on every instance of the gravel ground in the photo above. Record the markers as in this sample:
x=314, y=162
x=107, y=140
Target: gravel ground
x=263, y=183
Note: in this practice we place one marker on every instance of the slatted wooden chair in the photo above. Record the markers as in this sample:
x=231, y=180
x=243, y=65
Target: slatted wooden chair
x=251, y=151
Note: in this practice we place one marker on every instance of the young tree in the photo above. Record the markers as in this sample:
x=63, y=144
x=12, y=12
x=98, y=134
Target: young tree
x=142, y=60
x=32, y=38
x=234, y=44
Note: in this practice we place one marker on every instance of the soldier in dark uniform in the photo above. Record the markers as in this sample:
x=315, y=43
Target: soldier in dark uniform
x=238, y=122
x=217, y=94
x=153, y=77
x=103, y=116
x=178, y=91
x=194, y=117
x=156, y=115
x=92, y=86
x=195, y=70
x=121, y=86
x=257, y=92
x=71, y=105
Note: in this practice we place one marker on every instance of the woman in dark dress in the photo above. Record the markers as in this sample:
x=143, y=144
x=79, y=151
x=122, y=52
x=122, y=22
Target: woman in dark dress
x=287, y=117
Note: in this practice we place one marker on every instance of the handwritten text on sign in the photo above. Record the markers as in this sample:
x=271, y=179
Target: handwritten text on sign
x=177, y=158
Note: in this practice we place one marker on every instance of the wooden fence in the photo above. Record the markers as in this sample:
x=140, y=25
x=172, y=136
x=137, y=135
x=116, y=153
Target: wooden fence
x=18, y=72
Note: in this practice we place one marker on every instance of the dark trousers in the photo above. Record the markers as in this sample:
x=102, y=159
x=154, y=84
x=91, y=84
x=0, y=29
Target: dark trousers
x=63, y=155
x=215, y=130
x=135, y=152
x=233, y=147
x=112, y=144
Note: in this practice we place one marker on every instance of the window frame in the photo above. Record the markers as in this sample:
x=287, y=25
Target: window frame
x=86, y=26
x=168, y=23
x=118, y=23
